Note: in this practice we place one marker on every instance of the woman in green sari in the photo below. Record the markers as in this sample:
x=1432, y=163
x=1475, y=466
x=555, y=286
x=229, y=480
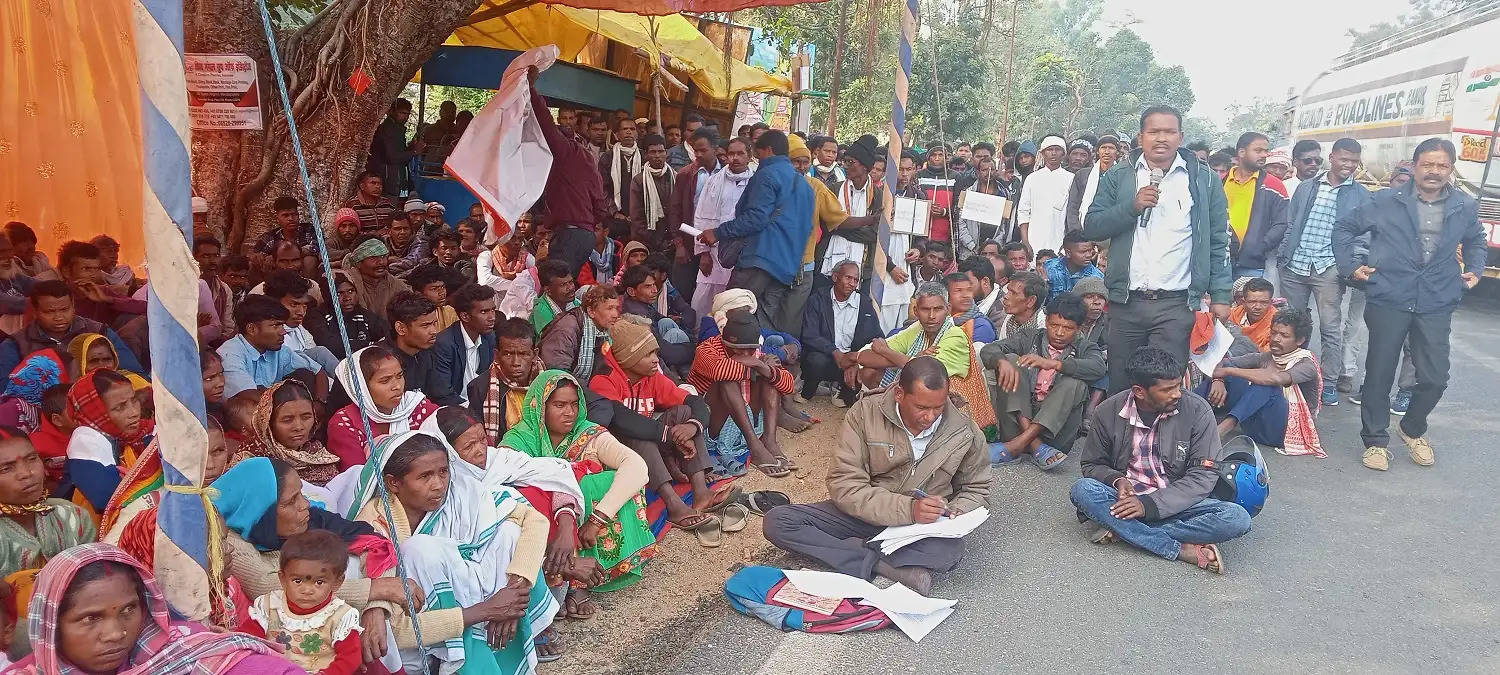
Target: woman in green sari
x=614, y=529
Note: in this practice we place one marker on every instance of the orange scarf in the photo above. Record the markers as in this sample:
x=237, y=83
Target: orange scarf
x=1258, y=332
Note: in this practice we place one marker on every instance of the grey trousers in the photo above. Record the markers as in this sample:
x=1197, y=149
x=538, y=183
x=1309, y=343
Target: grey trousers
x=796, y=301
x=770, y=293
x=1328, y=292
x=841, y=541
x=1060, y=414
x=651, y=451
x=1164, y=323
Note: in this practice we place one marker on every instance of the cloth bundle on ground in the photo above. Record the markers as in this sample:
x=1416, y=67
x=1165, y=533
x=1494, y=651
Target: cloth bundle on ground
x=751, y=592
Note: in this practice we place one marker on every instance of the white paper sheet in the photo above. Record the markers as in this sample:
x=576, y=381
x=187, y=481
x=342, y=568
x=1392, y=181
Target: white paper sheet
x=910, y=216
x=1214, y=352
x=983, y=208
x=689, y=230
x=914, y=614
x=892, y=539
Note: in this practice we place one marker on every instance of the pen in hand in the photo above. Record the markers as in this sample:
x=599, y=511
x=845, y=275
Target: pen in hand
x=919, y=494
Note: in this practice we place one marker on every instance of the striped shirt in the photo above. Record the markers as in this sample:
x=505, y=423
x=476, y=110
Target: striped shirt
x=1314, y=253
x=1146, y=472
x=712, y=365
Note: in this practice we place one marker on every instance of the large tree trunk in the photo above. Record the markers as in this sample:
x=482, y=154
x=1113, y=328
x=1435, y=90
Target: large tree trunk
x=241, y=172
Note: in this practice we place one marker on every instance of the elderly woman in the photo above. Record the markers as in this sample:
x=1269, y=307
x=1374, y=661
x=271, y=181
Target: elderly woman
x=284, y=422
x=98, y=610
x=473, y=548
x=33, y=529
x=262, y=504
x=378, y=389
x=111, y=434
x=614, y=533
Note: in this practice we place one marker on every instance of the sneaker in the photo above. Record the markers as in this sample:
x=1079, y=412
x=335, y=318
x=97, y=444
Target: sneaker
x=1401, y=402
x=1346, y=384
x=1330, y=398
x=1419, y=448
x=1354, y=397
x=1377, y=458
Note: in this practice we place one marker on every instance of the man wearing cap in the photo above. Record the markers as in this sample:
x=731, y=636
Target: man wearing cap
x=1086, y=182
x=906, y=456
x=1080, y=154
x=1257, y=205
x=630, y=376
x=1044, y=199
x=744, y=386
x=368, y=267
x=342, y=237
x=1164, y=260
x=860, y=199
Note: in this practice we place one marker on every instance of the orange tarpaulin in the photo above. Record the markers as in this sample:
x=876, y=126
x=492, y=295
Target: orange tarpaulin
x=70, y=134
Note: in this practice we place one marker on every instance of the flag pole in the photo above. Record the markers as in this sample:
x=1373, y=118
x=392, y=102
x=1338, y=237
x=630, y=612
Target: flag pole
x=894, y=148
x=182, y=540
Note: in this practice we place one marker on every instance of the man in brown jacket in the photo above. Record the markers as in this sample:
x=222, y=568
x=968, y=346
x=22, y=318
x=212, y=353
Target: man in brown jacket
x=905, y=456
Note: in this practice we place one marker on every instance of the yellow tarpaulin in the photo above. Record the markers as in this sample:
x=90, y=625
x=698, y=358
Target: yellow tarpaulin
x=570, y=29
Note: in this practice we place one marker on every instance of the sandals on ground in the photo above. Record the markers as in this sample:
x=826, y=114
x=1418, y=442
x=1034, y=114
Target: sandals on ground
x=1216, y=565
x=734, y=517
x=1048, y=458
x=548, y=638
x=774, y=469
x=575, y=612
x=706, y=527
x=762, y=501
x=722, y=498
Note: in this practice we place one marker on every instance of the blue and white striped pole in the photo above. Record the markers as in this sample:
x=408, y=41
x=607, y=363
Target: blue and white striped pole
x=893, y=150
x=182, y=555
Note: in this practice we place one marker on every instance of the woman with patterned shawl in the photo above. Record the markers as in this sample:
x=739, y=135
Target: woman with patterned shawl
x=469, y=546
x=33, y=529
x=21, y=404
x=151, y=644
x=111, y=434
x=284, y=422
x=614, y=532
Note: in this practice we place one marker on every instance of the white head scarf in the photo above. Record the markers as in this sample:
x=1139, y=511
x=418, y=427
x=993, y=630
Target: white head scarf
x=399, y=418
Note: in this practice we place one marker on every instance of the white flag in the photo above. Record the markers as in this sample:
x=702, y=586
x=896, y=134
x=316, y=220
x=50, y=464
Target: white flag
x=503, y=158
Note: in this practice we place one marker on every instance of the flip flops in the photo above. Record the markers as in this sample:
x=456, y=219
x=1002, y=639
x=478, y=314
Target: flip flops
x=1001, y=455
x=1216, y=565
x=706, y=527
x=773, y=469
x=547, y=638
x=725, y=497
x=734, y=517
x=1048, y=458
x=762, y=501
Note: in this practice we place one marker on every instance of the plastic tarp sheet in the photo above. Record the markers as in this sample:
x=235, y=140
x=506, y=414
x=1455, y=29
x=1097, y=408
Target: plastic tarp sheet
x=672, y=36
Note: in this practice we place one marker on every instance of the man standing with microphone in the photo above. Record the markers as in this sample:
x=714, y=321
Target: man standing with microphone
x=1166, y=218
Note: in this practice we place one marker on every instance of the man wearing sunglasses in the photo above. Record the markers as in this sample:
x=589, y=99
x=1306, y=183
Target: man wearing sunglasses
x=1307, y=161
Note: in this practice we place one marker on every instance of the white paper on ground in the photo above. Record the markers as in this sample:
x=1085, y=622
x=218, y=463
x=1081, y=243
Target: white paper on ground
x=894, y=538
x=913, y=613
x=1214, y=352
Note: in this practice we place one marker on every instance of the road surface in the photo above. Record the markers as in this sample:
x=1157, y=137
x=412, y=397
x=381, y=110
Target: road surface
x=1346, y=570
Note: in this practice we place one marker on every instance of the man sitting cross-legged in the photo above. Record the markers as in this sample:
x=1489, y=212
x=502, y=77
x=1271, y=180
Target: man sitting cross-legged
x=906, y=455
x=744, y=386
x=837, y=323
x=1273, y=396
x=1042, y=381
x=1148, y=468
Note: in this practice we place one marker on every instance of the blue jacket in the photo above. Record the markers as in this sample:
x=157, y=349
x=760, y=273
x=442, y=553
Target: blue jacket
x=775, y=215
x=1349, y=197
x=449, y=358
x=1113, y=217
x=817, y=322
x=1401, y=279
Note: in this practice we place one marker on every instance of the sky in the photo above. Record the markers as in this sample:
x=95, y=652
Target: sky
x=1227, y=63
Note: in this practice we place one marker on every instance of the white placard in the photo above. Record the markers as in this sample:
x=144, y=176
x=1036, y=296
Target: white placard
x=689, y=230
x=983, y=208
x=910, y=216
x=223, y=94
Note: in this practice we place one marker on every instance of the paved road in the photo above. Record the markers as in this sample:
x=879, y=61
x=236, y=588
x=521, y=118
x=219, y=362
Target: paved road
x=1347, y=570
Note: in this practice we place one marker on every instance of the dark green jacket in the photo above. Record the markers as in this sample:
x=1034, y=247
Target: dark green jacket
x=1113, y=217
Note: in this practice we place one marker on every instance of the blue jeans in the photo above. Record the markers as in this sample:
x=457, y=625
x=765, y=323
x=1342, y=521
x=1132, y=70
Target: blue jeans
x=1208, y=522
x=1260, y=409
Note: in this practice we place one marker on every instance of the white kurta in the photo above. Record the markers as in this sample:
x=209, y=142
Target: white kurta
x=1044, y=203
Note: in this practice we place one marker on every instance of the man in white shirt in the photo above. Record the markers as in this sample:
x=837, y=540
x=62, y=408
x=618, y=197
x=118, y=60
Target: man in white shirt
x=1169, y=243
x=291, y=290
x=466, y=349
x=1042, y=211
x=837, y=323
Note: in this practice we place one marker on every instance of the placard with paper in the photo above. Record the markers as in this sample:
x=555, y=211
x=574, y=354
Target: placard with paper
x=911, y=216
x=982, y=208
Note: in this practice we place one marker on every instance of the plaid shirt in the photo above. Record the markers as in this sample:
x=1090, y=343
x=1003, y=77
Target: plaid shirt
x=1146, y=472
x=1314, y=254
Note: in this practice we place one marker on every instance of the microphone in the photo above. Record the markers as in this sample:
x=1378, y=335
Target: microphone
x=1156, y=175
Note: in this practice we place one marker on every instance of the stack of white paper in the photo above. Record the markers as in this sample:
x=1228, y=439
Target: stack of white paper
x=913, y=613
x=892, y=539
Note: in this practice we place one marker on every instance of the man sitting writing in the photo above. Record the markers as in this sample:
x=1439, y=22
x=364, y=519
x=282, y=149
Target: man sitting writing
x=1148, y=468
x=879, y=479
x=1272, y=396
x=1042, y=381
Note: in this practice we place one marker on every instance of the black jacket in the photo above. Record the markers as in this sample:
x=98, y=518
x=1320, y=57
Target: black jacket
x=1268, y=225
x=817, y=323
x=1402, y=279
x=1187, y=442
x=450, y=358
